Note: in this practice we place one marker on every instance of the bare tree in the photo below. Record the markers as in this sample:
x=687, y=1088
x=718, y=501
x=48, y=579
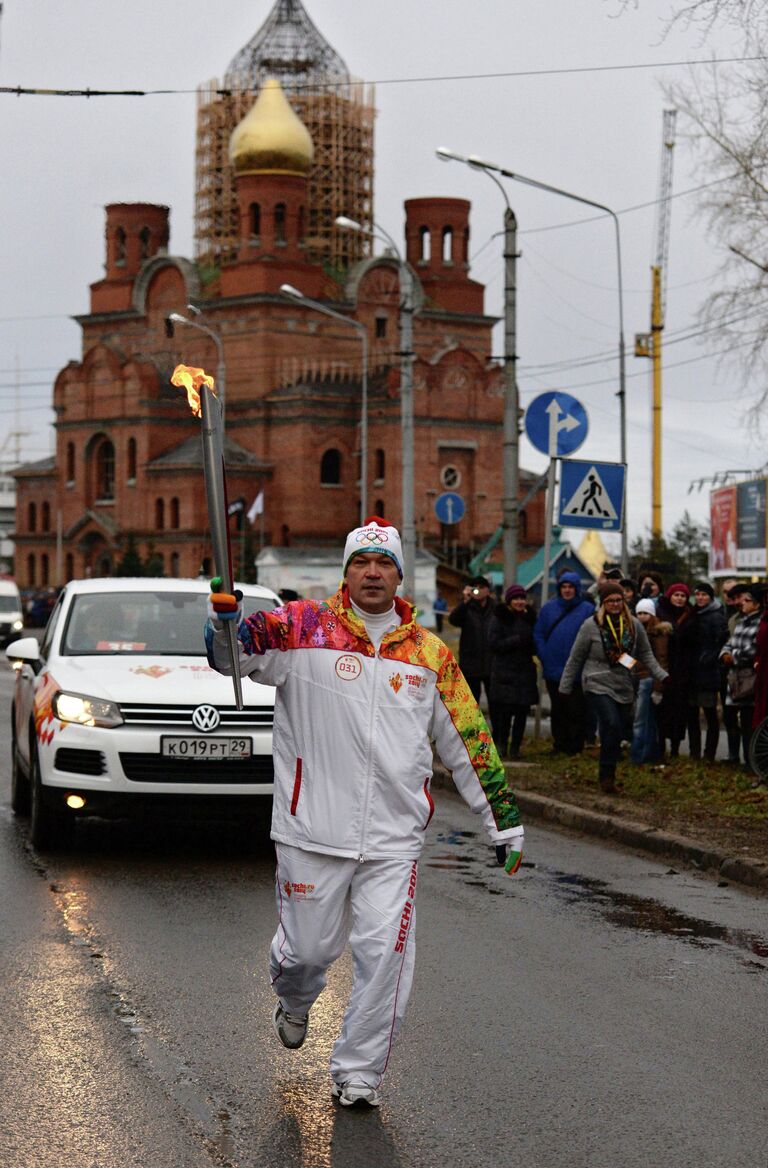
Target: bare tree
x=745, y=15
x=725, y=119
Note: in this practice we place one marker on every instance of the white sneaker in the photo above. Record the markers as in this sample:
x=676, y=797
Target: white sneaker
x=291, y=1029
x=350, y=1094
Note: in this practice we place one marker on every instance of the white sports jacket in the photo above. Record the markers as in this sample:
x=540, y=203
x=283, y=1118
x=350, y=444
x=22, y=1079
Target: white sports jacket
x=352, y=752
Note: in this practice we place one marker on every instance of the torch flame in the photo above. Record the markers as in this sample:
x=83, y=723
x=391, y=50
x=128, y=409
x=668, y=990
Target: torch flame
x=189, y=378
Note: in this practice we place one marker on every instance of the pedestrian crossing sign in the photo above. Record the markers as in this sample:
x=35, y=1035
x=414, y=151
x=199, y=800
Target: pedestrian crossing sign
x=592, y=494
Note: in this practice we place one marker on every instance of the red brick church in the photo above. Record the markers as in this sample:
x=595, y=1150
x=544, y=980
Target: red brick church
x=127, y=473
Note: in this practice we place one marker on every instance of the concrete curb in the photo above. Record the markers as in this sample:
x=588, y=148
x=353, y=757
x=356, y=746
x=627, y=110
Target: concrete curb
x=632, y=835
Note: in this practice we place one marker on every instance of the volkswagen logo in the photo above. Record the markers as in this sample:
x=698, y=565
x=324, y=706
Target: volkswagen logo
x=206, y=718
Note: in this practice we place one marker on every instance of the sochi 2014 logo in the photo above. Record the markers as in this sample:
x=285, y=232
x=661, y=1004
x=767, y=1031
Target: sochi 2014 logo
x=373, y=536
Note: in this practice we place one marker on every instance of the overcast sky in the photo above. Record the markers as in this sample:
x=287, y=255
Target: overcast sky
x=565, y=114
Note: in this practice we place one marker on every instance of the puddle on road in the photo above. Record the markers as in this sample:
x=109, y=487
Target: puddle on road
x=623, y=909
x=651, y=916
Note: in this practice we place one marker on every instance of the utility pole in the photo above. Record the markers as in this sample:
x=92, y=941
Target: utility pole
x=510, y=509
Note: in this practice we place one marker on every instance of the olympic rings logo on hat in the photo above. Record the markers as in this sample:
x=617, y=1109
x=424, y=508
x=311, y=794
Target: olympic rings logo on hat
x=374, y=537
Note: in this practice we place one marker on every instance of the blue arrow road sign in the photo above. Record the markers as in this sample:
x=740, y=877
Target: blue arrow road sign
x=450, y=507
x=556, y=423
x=592, y=494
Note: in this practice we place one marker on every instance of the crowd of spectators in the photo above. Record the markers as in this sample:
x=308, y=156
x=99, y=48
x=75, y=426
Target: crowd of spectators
x=650, y=667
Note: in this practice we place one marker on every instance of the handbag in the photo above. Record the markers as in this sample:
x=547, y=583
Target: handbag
x=741, y=684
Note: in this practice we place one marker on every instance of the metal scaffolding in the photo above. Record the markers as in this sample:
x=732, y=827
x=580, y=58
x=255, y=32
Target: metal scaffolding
x=338, y=112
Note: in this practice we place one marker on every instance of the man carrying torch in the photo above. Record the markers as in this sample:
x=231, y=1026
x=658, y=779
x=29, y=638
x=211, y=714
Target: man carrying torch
x=362, y=691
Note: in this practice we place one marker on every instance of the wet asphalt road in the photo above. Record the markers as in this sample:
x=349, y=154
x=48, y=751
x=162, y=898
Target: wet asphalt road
x=599, y=1010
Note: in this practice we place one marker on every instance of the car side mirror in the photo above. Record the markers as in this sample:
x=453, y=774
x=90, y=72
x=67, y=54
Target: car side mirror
x=25, y=651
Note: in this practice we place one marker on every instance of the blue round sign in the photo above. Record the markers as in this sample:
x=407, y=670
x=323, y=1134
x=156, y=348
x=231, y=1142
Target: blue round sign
x=556, y=423
x=450, y=507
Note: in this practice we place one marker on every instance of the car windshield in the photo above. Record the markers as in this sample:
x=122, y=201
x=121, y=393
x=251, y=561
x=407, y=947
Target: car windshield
x=10, y=604
x=152, y=624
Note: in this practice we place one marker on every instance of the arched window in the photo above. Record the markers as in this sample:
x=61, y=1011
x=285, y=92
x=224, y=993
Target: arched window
x=465, y=257
x=131, y=460
x=381, y=327
x=159, y=514
x=425, y=244
x=447, y=245
x=144, y=242
x=174, y=516
x=31, y=578
x=330, y=468
x=69, y=566
x=70, y=462
x=120, y=246
x=45, y=516
x=175, y=565
x=105, y=470
x=44, y=570
x=32, y=517
x=379, y=464
x=254, y=214
x=378, y=508
x=301, y=223
x=279, y=222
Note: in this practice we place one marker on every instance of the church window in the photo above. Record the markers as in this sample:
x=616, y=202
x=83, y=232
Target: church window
x=279, y=222
x=302, y=220
x=105, y=470
x=120, y=246
x=330, y=468
x=69, y=566
x=31, y=578
x=131, y=460
x=379, y=464
x=159, y=514
x=381, y=327
x=255, y=215
x=447, y=244
x=32, y=517
x=44, y=570
x=174, y=515
x=45, y=516
x=175, y=565
x=70, y=462
x=144, y=243
x=425, y=244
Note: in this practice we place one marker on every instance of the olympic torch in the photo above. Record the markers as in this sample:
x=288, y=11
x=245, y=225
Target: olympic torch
x=205, y=405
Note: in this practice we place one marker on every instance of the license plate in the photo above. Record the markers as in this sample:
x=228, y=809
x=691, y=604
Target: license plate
x=206, y=748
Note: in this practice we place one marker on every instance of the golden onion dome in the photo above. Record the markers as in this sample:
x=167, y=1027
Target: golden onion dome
x=271, y=138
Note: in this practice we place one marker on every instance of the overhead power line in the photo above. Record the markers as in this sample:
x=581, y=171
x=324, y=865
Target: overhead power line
x=228, y=91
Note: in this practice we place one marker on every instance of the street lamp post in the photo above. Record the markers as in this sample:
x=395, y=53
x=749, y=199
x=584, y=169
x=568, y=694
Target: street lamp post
x=510, y=503
x=492, y=167
x=295, y=294
x=408, y=526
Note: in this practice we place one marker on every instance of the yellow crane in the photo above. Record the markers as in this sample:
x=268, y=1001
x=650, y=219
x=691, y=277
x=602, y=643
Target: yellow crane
x=649, y=344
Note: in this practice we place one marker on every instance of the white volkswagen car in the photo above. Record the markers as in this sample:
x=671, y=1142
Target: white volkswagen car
x=117, y=709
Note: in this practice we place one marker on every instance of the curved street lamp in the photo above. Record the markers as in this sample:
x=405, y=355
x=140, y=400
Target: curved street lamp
x=408, y=527
x=221, y=369
x=295, y=294
x=472, y=160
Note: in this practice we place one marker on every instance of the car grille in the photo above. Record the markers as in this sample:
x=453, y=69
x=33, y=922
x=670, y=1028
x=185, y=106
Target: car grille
x=258, y=717
x=80, y=762
x=153, y=768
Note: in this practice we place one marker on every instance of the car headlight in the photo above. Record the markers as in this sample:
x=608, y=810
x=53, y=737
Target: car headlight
x=17, y=626
x=87, y=711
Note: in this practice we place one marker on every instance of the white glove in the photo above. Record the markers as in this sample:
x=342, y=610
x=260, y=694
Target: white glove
x=509, y=854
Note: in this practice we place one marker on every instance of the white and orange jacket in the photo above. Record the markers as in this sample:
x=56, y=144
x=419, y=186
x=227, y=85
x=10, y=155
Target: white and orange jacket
x=353, y=729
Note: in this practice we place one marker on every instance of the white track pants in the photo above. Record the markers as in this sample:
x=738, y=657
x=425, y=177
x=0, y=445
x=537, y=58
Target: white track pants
x=323, y=902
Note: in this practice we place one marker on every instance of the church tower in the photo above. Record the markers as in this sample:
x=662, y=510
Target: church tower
x=336, y=110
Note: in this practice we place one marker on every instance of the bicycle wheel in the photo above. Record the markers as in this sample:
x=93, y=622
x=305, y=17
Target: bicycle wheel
x=758, y=750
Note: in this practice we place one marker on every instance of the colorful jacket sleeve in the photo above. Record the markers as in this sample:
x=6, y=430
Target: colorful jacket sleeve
x=466, y=747
x=263, y=640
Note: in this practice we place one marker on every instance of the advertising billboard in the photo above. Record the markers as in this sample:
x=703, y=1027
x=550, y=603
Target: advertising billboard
x=738, y=529
x=723, y=531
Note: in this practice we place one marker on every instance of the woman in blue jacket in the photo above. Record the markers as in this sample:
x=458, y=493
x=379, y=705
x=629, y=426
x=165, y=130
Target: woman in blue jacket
x=554, y=633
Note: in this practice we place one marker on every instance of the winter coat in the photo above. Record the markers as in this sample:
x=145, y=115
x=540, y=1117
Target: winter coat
x=658, y=633
x=557, y=625
x=761, y=671
x=513, y=671
x=742, y=645
x=598, y=675
x=703, y=638
x=473, y=618
x=354, y=729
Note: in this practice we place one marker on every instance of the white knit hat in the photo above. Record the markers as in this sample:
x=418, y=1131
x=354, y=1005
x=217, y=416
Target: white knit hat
x=376, y=535
x=646, y=606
